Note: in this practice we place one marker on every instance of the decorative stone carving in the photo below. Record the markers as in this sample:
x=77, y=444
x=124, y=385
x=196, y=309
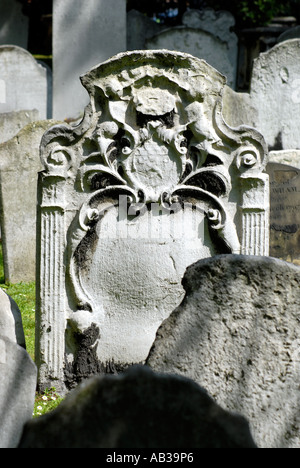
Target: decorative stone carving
x=150, y=181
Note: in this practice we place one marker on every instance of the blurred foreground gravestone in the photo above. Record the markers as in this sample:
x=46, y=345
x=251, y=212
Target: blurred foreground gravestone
x=150, y=181
x=139, y=409
x=11, y=325
x=284, y=212
x=18, y=377
x=236, y=334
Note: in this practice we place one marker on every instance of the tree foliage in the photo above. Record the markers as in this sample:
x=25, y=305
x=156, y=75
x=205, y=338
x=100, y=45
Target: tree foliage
x=248, y=13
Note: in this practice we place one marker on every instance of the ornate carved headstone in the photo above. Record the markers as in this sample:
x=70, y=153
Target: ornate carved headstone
x=150, y=181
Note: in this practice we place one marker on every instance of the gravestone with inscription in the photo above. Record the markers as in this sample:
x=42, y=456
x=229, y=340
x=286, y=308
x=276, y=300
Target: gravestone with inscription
x=284, y=212
x=151, y=180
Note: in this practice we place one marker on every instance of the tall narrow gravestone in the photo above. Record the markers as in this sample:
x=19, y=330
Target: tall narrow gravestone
x=100, y=27
x=150, y=181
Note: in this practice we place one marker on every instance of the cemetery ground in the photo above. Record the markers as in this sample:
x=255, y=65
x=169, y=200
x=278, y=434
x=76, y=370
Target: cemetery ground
x=24, y=295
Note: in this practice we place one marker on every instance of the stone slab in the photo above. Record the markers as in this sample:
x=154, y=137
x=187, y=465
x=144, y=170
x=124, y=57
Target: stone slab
x=18, y=376
x=138, y=409
x=290, y=157
x=101, y=33
x=284, y=212
x=273, y=103
x=23, y=82
x=236, y=333
x=12, y=123
x=19, y=167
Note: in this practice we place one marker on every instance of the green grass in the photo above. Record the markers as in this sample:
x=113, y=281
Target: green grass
x=24, y=295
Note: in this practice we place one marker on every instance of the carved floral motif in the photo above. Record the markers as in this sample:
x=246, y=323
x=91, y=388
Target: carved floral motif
x=153, y=132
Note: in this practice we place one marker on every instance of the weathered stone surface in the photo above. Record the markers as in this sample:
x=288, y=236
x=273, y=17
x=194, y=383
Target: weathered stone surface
x=139, y=409
x=100, y=26
x=12, y=123
x=19, y=166
x=291, y=157
x=18, y=376
x=284, y=212
x=151, y=180
x=236, y=333
x=207, y=35
x=23, y=82
x=11, y=324
x=273, y=103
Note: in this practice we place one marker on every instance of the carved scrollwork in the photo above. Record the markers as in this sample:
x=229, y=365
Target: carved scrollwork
x=59, y=160
x=157, y=137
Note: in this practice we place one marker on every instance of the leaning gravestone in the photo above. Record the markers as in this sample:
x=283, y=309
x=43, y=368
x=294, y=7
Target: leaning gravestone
x=23, y=82
x=19, y=167
x=236, y=334
x=205, y=34
x=284, y=212
x=139, y=409
x=150, y=181
x=18, y=377
x=273, y=104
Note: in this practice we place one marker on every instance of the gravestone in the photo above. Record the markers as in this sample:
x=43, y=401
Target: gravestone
x=291, y=33
x=19, y=167
x=236, y=333
x=151, y=180
x=284, y=212
x=13, y=122
x=17, y=391
x=273, y=104
x=23, y=82
x=139, y=409
x=139, y=28
x=11, y=325
x=13, y=24
x=290, y=157
x=100, y=27
x=205, y=34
